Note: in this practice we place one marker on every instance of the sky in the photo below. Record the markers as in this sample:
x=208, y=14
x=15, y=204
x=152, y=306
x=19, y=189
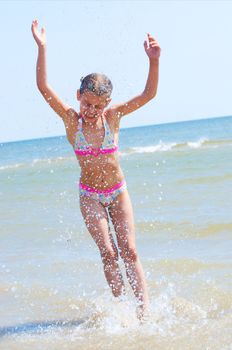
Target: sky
x=107, y=37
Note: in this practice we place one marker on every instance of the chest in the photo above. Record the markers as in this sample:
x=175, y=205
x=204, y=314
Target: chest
x=93, y=138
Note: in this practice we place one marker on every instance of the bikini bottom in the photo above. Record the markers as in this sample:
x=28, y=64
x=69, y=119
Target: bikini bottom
x=105, y=197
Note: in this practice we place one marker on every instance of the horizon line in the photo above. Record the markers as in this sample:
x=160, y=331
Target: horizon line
x=129, y=127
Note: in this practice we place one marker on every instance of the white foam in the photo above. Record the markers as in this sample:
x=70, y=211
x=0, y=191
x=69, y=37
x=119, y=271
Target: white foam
x=161, y=147
x=11, y=166
x=165, y=147
x=36, y=162
x=198, y=143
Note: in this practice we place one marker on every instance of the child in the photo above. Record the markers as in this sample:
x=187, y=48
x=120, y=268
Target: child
x=93, y=133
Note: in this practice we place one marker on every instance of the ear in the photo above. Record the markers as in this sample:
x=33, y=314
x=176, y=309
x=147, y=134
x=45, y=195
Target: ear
x=78, y=95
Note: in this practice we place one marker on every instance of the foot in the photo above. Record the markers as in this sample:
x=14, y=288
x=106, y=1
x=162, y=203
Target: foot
x=142, y=312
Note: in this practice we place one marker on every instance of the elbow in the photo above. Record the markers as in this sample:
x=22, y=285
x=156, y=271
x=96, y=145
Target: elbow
x=149, y=95
x=42, y=88
x=41, y=83
x=153, y=95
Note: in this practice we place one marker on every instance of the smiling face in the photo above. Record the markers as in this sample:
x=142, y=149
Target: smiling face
x=91, y=105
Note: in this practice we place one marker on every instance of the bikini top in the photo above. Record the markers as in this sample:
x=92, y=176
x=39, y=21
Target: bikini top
x=82, y=148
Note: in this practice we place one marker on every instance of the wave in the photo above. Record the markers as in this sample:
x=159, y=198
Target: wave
x=170, y=146
x=160, y=147
x=35, y=162
x=11, y=166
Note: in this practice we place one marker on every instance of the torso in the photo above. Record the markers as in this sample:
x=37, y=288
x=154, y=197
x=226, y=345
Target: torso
x=100, y=171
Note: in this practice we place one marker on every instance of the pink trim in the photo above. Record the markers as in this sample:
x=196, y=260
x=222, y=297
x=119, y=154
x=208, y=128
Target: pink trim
x=93, y=190
x=95, y=151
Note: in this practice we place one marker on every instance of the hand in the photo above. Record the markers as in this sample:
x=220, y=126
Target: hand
x=40, y=38
x=152, y=48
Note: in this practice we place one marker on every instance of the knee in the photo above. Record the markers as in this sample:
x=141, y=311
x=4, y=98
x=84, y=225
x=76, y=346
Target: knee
x=129, y=254
x=109, y=256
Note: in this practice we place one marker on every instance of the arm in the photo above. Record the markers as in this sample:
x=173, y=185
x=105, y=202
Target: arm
x=152, y=50
x=61, y=108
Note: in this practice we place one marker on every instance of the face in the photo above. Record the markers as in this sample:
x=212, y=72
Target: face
x=91, y=105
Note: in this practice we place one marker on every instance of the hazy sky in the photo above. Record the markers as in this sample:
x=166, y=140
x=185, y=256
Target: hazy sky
x=107, y=37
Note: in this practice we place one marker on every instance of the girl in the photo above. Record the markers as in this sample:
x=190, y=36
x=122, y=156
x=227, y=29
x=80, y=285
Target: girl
x=93, y=134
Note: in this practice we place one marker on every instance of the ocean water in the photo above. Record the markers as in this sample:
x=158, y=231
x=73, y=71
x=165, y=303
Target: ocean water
x=53, y=293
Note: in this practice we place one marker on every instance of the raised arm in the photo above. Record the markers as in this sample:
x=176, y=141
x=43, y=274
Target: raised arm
x=61, y=108
x=152, y=50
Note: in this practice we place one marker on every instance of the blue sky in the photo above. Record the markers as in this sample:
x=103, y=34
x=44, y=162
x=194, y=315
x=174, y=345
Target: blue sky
x=107, y=37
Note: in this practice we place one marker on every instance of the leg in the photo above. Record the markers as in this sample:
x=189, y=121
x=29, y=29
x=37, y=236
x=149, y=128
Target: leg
x=97, y=222
x=121, y=213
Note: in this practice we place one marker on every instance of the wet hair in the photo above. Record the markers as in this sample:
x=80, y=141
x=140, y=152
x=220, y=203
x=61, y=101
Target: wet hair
x=99, y=84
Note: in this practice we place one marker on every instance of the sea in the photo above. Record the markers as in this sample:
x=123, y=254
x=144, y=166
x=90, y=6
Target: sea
x=53, y=293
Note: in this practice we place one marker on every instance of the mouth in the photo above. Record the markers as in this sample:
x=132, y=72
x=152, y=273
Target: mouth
x=91, y=116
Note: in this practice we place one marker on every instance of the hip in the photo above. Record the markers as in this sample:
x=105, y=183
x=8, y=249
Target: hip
x=104, y=196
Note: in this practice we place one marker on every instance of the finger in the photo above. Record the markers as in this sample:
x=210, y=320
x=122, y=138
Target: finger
x=35, y=22
x=154, y=43
x=145, y=45
x=34, y=26
x=150, y=38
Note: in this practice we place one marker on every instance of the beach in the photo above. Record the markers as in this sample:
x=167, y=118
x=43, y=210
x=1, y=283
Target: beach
x=53, y=292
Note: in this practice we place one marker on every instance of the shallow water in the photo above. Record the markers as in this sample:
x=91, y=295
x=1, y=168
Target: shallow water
x=52, y=289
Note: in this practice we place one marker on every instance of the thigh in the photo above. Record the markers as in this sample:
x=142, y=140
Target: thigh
x=97, y=222
x=121, y=213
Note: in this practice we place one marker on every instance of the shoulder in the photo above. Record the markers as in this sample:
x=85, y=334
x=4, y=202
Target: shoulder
x=71, y=124
x=71, y=113
x=71, y=117
x=112, y=118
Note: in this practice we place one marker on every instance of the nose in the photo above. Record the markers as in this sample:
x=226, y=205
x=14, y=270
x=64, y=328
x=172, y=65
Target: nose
x=91, y=108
